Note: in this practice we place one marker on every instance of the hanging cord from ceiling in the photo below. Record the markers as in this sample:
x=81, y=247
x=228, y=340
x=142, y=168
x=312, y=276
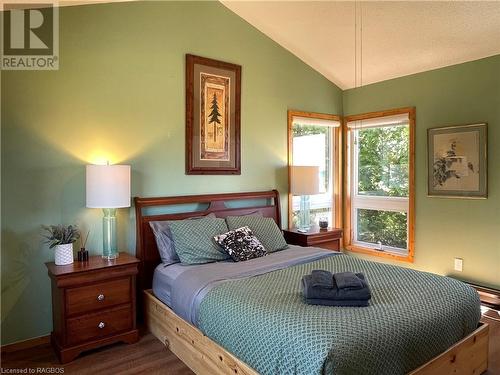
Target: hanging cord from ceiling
x=358, y=44
x=358, y=54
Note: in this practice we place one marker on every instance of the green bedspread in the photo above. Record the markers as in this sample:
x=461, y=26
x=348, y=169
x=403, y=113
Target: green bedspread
x=413, y=316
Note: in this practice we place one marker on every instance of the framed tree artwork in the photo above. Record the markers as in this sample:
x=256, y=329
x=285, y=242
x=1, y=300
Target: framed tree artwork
x=457, y=161
x=213, y=92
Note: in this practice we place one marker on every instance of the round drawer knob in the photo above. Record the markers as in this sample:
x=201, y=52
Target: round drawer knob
x=101, y=325
x=100, y=297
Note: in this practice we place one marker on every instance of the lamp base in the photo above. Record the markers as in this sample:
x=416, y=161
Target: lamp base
x=110, y=257
x=109, y=248
x=304, y=223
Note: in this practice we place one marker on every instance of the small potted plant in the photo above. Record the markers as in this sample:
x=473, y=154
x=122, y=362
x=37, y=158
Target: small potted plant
x=62, y=237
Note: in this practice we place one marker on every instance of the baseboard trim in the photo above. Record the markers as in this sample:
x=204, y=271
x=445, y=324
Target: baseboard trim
x=25, y=344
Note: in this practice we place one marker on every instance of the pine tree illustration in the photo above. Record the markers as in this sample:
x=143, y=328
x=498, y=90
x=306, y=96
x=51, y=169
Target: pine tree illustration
x=214, y=116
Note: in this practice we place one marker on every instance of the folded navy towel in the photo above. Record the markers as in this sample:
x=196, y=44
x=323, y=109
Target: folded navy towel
x=346, y=280
x=321, y=279
x=335, y=293
x=331, y=302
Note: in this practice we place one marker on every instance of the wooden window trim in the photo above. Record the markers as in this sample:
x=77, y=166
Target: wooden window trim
x=347, y=185
x=338, y=151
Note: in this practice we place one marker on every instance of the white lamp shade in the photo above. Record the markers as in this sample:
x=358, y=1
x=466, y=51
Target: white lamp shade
x=108, y=186
x=304, y=180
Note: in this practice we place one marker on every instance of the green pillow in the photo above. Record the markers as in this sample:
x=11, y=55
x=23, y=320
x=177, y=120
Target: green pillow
x=264, y=228
x=194, y=239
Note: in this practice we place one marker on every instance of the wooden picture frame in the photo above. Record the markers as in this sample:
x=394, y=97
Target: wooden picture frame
x=457, y=161
x=213, y=105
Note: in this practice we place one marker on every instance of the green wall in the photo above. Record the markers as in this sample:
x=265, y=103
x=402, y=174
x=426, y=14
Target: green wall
x=119, y=95
x=449, y=228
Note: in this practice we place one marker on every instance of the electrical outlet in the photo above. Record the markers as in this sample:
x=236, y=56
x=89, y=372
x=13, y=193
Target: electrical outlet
x=459, y=262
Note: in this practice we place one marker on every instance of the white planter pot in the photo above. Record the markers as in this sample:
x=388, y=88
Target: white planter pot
x=64, y=254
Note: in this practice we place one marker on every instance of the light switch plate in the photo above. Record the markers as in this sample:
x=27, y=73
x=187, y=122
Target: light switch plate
x=459, y=262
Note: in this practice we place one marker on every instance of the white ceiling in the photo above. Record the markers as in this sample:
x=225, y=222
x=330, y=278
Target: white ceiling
x=398, y=38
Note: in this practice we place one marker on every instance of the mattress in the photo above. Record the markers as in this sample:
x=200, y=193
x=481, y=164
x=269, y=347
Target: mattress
x=190, y=290
x=163, y=278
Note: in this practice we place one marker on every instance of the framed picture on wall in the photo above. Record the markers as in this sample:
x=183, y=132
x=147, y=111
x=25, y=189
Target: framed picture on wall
x=213, y=95
x=457, y=161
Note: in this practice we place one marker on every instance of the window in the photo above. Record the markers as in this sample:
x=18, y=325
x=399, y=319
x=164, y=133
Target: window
x=380, y=195
x=313, y=139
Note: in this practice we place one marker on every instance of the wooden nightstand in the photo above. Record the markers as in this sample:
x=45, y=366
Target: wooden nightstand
x=325, y=238
x=93, y=304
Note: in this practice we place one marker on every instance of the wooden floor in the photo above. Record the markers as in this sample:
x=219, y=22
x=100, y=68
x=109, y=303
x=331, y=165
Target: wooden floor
x=149, y=356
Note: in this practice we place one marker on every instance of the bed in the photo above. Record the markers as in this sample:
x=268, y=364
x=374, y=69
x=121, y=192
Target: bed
x=249, y=317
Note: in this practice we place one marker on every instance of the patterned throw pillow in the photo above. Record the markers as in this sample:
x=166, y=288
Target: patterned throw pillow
x=164, y=240
x=241, y=244
x=264, y=228
x=194, y=240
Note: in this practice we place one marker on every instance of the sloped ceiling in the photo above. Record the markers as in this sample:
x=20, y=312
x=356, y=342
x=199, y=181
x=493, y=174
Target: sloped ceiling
x=398, y=38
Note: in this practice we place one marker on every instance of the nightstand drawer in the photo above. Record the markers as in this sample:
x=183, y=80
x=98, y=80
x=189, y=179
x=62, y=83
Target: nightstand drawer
x=96, y=296
x=325, y=238
x=330, y=245
x=100, y=324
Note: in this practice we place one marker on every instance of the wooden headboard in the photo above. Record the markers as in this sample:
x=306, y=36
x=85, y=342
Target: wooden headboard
x=146, y=250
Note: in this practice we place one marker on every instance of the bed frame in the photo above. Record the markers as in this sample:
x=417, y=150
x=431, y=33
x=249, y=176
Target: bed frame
x=204, y=356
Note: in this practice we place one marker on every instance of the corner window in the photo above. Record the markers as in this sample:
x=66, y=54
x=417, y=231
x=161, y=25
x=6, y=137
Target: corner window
x=313, y=140
x=380, y=194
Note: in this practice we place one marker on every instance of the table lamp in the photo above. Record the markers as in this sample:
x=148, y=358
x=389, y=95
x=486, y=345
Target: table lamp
x=108, y=187
x=304, y=182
